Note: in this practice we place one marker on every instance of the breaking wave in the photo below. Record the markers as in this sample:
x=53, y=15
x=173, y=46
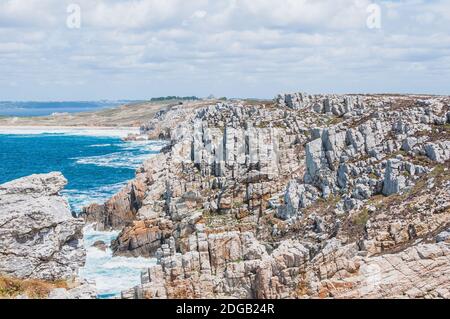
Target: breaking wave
x=81, y=198
x=132, y=156
x=110, y=274
x=100, y=145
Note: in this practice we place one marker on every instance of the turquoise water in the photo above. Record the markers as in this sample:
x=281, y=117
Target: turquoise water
x=96, y=168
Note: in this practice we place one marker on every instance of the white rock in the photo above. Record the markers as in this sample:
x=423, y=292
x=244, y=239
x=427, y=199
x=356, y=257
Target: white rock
x=439, y=152
x=394, y=182
x=39, y=237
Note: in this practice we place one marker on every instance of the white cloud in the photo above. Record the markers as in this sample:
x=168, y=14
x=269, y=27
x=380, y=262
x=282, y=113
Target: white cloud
x=143, y=48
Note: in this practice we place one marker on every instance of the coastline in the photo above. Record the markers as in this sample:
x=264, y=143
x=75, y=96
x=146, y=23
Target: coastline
x=215, y=222
x=121, y=132
x=111, y=274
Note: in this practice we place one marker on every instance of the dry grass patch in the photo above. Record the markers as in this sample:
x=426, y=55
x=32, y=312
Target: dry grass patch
x=33, y=288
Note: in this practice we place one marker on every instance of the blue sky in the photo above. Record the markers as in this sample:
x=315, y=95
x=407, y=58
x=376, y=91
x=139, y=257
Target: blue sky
x=237, y=48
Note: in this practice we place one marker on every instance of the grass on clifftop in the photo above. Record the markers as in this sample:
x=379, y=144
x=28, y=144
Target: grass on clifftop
x=36, y=289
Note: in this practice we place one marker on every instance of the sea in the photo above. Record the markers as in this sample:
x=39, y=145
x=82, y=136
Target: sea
x=23, y=108
x=97, y=164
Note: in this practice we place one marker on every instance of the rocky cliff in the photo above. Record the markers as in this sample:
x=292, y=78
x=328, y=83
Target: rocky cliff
x=305, y=196
x=39, y=238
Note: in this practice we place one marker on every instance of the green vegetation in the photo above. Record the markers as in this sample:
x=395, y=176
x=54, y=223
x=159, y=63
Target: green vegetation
x=334, y=121
x=262, y=124
x=256, y=102
x=362, y=218
x=438, y=170
x=373, y=176
x=171, y=98
x=237, y=204
x=324, y=205
x=279, y=124
x=406, y=174
x=238, y=261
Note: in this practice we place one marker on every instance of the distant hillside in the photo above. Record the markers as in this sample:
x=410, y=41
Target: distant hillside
x=171, y=98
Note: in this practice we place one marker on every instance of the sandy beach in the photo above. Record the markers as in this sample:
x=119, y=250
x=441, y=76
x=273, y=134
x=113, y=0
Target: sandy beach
x=81, y=130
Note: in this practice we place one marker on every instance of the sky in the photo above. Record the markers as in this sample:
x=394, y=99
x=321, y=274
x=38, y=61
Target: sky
x=138, y=49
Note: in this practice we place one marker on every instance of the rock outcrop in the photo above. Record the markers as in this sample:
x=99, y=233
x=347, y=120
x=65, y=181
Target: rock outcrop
x=39, y=238
x=305, y=196
x=82, y=290
x=240, y=267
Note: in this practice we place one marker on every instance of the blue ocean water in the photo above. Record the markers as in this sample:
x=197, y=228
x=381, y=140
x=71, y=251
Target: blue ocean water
x=13, y=108
x=96, y=168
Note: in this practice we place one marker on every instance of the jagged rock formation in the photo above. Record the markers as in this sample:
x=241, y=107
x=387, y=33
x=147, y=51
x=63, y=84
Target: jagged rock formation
x=242, y=268
x=122, y=208
x=39, y=238
x=303, y=197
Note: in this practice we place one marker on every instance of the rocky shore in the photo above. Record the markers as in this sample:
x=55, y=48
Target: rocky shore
x=39, y=237
x=308, y=196
x=311, y=196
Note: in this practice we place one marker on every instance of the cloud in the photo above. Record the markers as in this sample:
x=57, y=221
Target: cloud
x=144, y=48
x=19, y=13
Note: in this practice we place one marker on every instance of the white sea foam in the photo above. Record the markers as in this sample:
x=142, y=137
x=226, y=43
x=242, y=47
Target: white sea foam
x=81, y=198
x=91, y=235
x=148, y=146
x=130, y=263
x=100, y=145
x=80, y=131
x=111, y=274
x=126, y=158
x=116, y=160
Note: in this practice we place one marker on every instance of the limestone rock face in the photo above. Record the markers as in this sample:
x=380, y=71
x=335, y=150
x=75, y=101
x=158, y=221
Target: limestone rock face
x=292, y=198
x=394, y=182
x=142, y=238
x=443, y=237
x=296, y=197
x=39, y=238
x=242, y=269
x=439, y=152
x=315, y=157
x=119, y=210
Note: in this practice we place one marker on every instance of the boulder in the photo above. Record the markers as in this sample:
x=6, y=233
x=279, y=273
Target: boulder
x=438, y=152
x=409, y=143
x=82, y=290
x=394, y=182
x=297, y=196
x=39, y=237
x=315, y=157
x=443, y=236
